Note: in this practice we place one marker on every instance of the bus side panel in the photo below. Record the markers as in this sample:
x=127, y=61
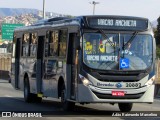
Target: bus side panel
x=32, y=74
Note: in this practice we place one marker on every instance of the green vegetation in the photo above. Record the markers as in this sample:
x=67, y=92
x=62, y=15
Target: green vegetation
x=158, y=52
x=157, y=37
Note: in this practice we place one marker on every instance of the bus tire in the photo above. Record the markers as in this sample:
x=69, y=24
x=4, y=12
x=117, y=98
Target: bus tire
x=9, y=79
x=125, y=107
x=36, y=98
x=67, y=105
x=27, y=94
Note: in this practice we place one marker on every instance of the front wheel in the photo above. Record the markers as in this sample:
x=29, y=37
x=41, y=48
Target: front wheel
x=36, y=99
x=27, y=94
x=30, y=97
x=125, y=107
x=67, y=105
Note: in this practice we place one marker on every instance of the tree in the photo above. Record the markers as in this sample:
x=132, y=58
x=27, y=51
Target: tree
x=157, y=37
x=157, y=32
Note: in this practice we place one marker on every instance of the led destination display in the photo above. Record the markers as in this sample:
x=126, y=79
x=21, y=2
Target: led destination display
x=118, y=23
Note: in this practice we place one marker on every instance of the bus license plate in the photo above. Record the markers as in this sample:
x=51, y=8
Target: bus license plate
x=118, y=93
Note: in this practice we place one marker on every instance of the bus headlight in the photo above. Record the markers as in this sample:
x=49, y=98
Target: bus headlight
x=84, y=80
x=150, y=81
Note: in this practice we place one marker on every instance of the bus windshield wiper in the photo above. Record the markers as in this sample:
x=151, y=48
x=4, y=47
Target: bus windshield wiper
x=130, y=40
x=106, y=37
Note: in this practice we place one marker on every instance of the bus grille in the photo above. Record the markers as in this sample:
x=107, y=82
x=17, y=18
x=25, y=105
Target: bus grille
x=108, y=77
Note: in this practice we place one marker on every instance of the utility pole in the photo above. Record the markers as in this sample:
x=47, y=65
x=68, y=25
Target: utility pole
x=44, y=9
x=94, y=5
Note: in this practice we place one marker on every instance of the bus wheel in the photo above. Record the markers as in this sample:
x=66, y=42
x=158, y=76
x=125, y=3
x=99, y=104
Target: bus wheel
x=27, y=94
x=36, y=98
x=125, y=107
x=67, y=105
x=9, y=79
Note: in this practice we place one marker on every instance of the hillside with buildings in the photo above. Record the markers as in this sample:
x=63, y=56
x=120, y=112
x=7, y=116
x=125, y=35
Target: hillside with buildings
x=23, y=16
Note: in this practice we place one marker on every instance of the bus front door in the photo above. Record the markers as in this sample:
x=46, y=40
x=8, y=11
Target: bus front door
x=39, y=65
x=71, y=60
x=17, y=64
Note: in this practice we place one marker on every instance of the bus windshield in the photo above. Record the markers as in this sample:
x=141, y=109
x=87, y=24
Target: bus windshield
x=117, y=51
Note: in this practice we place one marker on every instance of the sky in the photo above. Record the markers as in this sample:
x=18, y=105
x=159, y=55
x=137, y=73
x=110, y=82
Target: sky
x=140, y=8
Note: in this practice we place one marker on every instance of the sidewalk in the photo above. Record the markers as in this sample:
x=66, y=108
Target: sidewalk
x=4, y=81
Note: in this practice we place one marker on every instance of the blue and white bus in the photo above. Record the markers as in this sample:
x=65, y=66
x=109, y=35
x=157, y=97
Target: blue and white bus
x=86, y=59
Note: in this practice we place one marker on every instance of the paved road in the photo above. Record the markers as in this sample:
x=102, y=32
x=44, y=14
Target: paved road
x=12, y=100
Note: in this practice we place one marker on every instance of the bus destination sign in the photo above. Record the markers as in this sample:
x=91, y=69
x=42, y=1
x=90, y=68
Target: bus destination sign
x=118, y=23
x=111, y=22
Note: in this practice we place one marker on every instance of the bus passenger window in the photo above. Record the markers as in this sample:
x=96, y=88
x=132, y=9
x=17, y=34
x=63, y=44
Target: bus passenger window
x=51, y=47
x=14, y=46
x=46, y=44
x=25, y=45
x=33, y=44
x=62, y=42
x=53, y=43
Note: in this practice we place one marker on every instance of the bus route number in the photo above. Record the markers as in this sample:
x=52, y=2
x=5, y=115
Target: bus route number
x=133, y=84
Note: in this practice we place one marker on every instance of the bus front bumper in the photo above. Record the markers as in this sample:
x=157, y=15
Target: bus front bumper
x=92, y=94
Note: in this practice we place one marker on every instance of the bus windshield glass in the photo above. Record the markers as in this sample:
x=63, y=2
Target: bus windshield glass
x=117, y=51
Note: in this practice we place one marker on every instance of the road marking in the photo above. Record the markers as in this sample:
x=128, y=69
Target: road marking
x=8, y=96
x=13, y=97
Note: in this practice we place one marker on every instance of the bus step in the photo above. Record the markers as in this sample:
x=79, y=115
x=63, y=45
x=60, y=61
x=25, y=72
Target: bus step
x=39, y=95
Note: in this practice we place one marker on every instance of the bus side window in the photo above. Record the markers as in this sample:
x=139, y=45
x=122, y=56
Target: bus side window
x=25, y=45
x=14, y=46
x=53, y=43
x=46, y=44
x=33, y=44
x=51, y=47
x=62, y=42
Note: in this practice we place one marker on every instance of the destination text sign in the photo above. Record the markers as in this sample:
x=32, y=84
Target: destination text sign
x=118, y=23
x=111, y=22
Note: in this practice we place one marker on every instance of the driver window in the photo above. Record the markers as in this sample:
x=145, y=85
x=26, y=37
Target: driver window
x=96, y=43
